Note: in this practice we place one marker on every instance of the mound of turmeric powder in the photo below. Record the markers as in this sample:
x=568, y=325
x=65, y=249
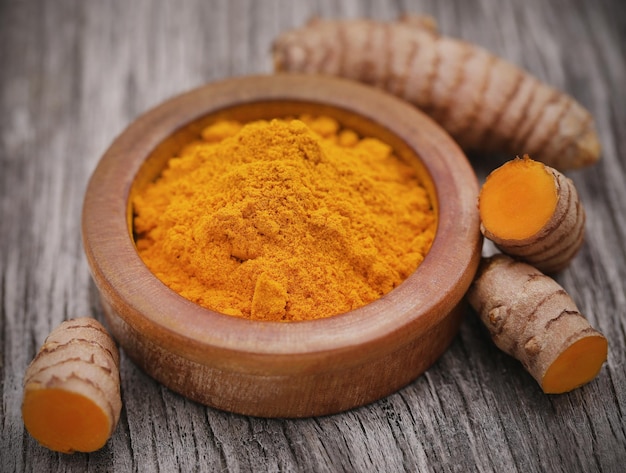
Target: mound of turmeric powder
x=284, y=220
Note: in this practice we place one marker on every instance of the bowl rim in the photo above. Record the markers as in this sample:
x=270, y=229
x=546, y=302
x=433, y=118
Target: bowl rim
x=419, y=303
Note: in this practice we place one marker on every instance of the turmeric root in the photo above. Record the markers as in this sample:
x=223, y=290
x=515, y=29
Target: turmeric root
x=532, y=211
x=484, y=102
x=532, y=318
x=72, y=396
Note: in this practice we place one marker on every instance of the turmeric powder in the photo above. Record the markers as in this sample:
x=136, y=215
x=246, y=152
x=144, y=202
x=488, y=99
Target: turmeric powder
x=284, y=220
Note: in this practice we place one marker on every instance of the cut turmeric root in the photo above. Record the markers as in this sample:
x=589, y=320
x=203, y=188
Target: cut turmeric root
x=532, y=211
x=72, y=396
x=532, y=318
x=484, y=102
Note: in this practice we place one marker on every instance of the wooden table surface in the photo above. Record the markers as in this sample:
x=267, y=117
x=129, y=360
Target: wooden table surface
x=74, y=73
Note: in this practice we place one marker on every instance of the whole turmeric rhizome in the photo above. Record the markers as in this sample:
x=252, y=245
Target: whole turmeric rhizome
x=284, y=220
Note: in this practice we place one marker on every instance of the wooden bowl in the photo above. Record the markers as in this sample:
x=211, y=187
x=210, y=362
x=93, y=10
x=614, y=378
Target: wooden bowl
x=274, y=369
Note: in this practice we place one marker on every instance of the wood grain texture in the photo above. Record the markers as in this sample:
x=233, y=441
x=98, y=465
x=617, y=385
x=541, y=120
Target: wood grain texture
x=73, y=74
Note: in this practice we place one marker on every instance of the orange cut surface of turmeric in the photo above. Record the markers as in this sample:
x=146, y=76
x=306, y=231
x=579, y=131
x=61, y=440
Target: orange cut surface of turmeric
x=65, y=421
x=578, y=364
x=518, y=199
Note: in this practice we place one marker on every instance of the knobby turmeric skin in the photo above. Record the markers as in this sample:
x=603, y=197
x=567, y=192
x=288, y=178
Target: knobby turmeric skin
x=486, y=103
x=72, y=400
x=532, y=318
x=284, y=220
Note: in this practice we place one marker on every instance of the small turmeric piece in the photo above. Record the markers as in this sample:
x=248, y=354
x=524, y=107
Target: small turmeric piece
x=532, y=318
x=486, y=103
x=532, y=211
x=72, y=398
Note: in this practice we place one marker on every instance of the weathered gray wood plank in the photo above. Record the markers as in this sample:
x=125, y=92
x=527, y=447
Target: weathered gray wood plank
x=73, y=74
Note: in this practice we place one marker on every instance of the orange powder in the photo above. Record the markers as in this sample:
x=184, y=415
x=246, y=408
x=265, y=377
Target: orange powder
x=284, y=220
